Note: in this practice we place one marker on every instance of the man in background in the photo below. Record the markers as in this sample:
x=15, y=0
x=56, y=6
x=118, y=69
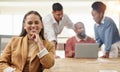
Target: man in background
x=80, y=37
x=55, y=22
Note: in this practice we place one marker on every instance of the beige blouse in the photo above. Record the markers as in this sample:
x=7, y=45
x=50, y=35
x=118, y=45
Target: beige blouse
x=31, y=45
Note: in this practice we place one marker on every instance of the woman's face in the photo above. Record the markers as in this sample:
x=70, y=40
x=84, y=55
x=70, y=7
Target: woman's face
x=97, y=16
x=32, y=24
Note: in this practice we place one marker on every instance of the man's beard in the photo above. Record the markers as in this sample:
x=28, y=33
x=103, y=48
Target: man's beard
x=81, y=35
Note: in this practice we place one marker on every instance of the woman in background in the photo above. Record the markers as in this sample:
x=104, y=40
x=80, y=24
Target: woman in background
x=106, y=31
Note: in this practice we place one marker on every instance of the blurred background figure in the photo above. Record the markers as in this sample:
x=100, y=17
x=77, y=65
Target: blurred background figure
x=55, y=22
x=106, y=31
x=80, y=37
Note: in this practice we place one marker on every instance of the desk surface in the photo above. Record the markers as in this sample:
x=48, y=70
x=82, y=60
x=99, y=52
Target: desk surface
x=85, y=65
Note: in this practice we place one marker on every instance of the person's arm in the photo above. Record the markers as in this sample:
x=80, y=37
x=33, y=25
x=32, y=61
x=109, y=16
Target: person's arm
x=108, y=37
x=50, y=34
x=68, y=50
x=69, y=23
x=49, y=31
x=46, y=55
x=55, y=43
x=5, y=59
x=98, y=40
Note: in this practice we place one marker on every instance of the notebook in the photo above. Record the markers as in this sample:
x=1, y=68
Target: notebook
x=86, y=50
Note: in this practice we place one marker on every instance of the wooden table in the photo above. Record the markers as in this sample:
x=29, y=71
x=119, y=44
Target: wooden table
x=85, y=65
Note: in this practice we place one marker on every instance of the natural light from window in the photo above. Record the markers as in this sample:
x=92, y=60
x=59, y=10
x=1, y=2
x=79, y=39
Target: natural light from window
x=11, y=24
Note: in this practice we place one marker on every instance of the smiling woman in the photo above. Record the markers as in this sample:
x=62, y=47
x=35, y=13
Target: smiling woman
x=29, y=52
x=32, y=23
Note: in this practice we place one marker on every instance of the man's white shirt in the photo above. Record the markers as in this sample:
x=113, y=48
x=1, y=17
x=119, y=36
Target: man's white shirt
x=52, y=28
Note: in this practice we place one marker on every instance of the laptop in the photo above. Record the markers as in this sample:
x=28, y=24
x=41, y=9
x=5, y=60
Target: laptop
x=86, y=50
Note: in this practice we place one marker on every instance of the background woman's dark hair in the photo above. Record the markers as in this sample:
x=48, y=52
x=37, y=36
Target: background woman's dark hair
x=99, y=6
x=23, y=32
